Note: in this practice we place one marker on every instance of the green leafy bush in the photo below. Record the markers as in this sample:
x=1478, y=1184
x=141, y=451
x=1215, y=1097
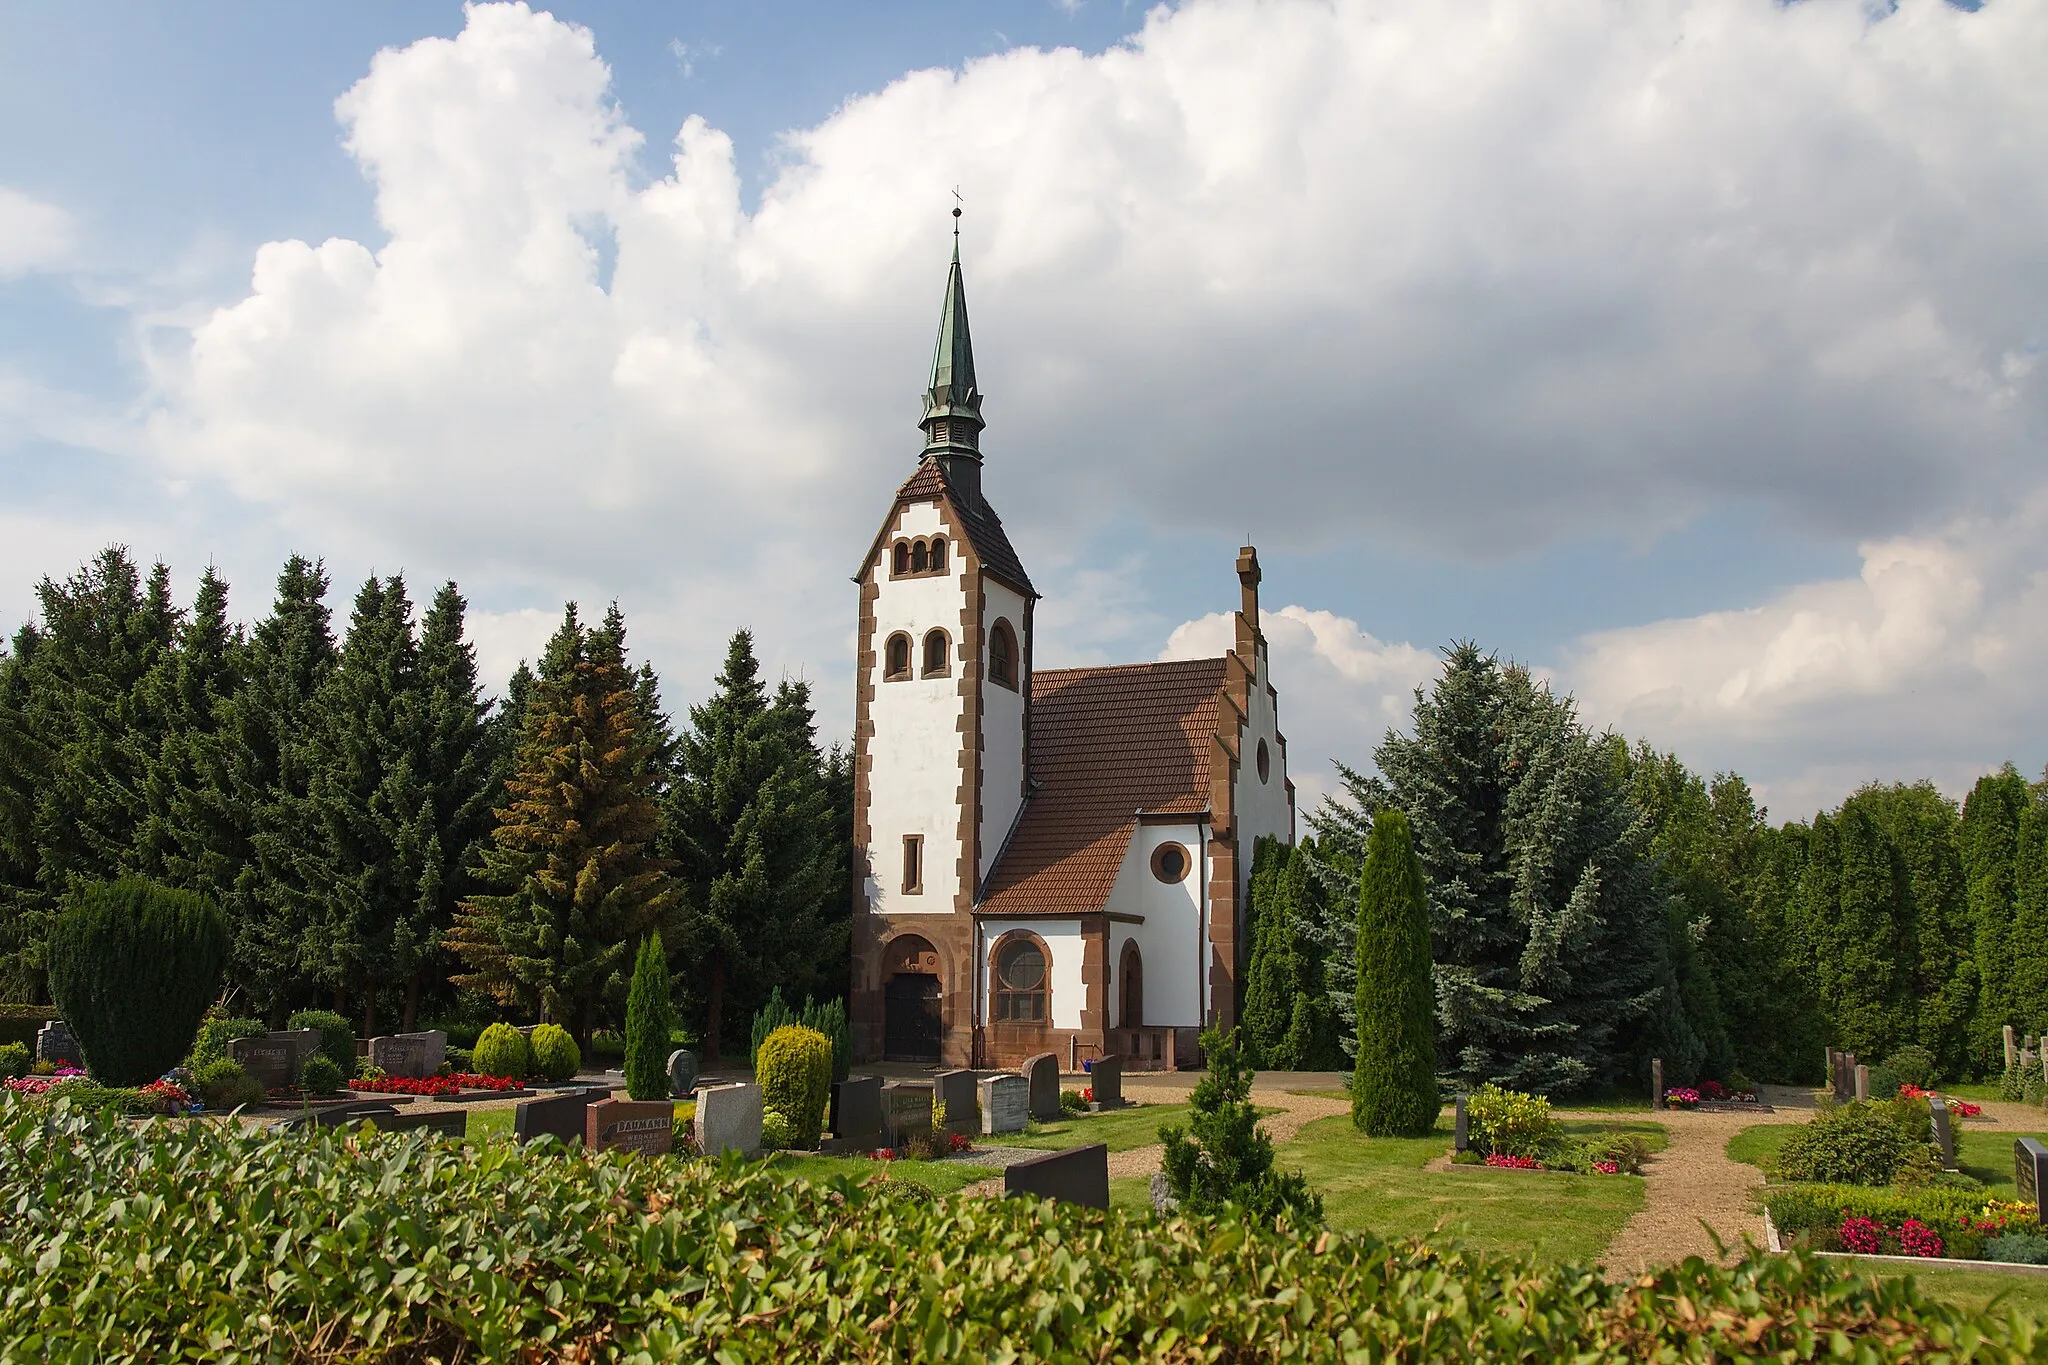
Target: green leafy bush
x=14, y=1060
x=828, y=1019
x=1849, y=1144
x=555, y=1054
x=461, y=1059
x=502, y=1050
x=693, y=1260
x=1912, y=1065
x=2017, y=1248
x=134, y=965
x=1884, y=1083
x=1071, y=1103
x=2012, y=1085
x=794, y=1070
x=320, y=1076
x=337, y=1036
x=776, y=1133
x=1223, y=1158
x=1627, y=1150
x=216, y=1031
x=225, y=1085
x=1509, y=1122
x=2033, y=1086
x=650, y=1014
x=1811, y=1215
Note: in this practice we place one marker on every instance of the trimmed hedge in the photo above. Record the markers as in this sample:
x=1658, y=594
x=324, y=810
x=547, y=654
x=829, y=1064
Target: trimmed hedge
x=134, y=965
x=409, y=1247
x=794, y=1070
x=502, y=1050
x=1811, y=1215
x=555, y=1055
x=21, y=1023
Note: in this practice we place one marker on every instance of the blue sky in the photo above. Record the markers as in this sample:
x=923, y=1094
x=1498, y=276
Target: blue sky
x=1684, y=350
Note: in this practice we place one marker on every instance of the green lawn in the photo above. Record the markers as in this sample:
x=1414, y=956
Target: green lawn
x=1971, y=1289
x=490, y=1123
x=1974, y=1090
x=1983, y=1152
x=1122, y=1129
x=1379, y=1184
x=940, y=1177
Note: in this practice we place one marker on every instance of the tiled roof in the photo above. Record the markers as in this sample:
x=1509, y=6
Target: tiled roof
x=1106, y=743
x=984, y=528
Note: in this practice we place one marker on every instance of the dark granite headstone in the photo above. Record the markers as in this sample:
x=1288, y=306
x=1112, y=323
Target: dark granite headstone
x=447, y=1122
x=1106, y=1079
x=1079, y=1175
x=682, y=1072
x=55, y=1045
x=1944, y=1136
x=1461, y=1128
x=857, y=1116
x=2030, y=1171
x=560, y=1116
x=1043, y=1073
x=955, y=1090
x=410, y=1054
x=644, y=1126
x=906, y=1109
x=274, y=1060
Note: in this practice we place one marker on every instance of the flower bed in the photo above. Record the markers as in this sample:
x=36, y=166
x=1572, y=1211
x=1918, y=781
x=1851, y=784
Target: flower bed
x=1957, y=1109
x=435, y=1087
x=42, y=1085
x=1893, y=1222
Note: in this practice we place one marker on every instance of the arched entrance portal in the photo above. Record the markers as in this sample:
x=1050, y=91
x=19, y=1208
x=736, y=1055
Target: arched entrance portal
x=911, y=996
x=1130, y=974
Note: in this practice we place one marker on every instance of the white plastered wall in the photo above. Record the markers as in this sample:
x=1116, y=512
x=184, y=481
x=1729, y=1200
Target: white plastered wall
x=1063, y=940
x=914, y=773
x=1171, y=941
x=1261, y=806
x=1002, y=726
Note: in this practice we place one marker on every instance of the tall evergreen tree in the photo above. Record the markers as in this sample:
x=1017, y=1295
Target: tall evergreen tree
x=753, y=826
x=1851, y=900
x=575, y=884
x=1393, y=1083
x=2029, y=934
x=1988, y=844
x=181, y=834
x=1289, y=1018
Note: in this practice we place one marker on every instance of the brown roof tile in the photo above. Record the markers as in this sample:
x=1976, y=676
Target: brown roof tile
x=984, y=528
x=1106, y=743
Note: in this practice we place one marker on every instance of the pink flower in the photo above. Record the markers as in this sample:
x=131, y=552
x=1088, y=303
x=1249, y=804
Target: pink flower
x=1607, y=1167
x=1918, y=1239
x=1513, y=1163
x=1860, y=1235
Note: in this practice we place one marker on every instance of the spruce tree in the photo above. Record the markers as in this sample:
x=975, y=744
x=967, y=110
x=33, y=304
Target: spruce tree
x=1393, y=1083
x=1854, y=901
x=185, y=829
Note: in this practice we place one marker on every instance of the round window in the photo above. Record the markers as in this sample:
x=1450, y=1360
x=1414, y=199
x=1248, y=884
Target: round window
x=1022, y=967
x=1170, y=862
x=1265, y=762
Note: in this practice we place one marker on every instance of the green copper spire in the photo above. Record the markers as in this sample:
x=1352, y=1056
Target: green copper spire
x=952, y=405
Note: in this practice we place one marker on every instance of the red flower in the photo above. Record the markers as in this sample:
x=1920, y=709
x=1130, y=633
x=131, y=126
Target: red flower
x=1513, y=1163
x=1918, y=1239
x=1861, y=1235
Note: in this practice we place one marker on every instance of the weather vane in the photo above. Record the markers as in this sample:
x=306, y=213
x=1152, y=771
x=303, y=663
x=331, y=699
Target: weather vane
x=957, y=202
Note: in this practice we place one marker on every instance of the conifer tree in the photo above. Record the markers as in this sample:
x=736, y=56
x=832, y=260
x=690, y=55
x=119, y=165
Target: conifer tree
x=1988, y=844
x=182, y=834
x=1393, y=1083
x=574, y=883
x=2029, y=934
x=649, y=1021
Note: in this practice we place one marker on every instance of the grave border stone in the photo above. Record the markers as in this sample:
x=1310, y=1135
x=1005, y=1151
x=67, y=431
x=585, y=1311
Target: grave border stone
x=1076, y=1175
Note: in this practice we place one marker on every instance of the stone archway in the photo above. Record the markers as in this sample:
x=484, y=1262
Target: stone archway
x=913, y=992
x=1130, y=975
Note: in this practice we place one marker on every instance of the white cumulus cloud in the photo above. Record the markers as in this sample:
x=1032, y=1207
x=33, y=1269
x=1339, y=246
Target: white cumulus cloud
x=33, y=235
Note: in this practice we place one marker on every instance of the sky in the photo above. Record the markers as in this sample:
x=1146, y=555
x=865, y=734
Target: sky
x=1688, y=351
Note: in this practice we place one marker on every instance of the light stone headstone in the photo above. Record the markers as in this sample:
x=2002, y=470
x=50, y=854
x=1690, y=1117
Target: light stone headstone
x=416, y=1055
x=56, y=1045
x=1944, y=1135
x=1043, y=1074
x=682, y=1072
x=1005, y=1103
x=1863, y=1083
x=955, y=1090
x=1106, y=1079
x=729, y=1119
x=2012, y=1051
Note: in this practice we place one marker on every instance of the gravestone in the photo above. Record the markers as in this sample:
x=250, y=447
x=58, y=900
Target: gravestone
x=1863, y=1083
x=1656, y=1082
x=1461, y=1128
x=682, y=1072
x=1944, y=1136
x=447, y=1122
x=274, y=1060
x=410, y=1054
x=55, y=1045
x=2030, y=1171
x=955, y=1090
x=729, y=1119
x=644, y=1126
x=2012, y=1052
x=856, y=1114
x=906, y=1109
x=1005, y=1103
x=563, y=1116
x=1106, y=1079
x=1043, y=1074
x=1162, y=1194
x=1079, y=1175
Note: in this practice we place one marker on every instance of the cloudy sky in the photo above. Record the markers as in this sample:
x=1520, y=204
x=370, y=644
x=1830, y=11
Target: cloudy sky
x=1688, y=350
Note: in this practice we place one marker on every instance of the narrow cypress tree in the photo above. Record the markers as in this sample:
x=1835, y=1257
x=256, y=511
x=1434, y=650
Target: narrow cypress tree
x=1988, y=842
x=1269, y=992
x=650, y=1018
x=2029, y=935
x=1393, y=1085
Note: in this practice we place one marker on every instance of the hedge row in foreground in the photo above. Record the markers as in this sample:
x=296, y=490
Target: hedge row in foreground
x=194, y=1242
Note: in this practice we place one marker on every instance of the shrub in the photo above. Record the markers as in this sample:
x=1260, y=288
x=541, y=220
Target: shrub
x=210, y=1203
x=1072, y=1103
x=1884, y=1083
x=1223, y=1157
x=776, y=1133
x=2013, y=1084
x=2017, y=1248
x=1813, y=1215
x=1628, y=1151
x=828, y=1019
x=649, y=1017
x=2033, y=1086
x=320, y=1076
x=225, y=1085
x=1920, y=1165
x=14, y=1060
x=1393, y=1080
x=460, y=1059
x=794, y=1070
x=1849, y=1144
x=134, y=965
x=1508, y=1121
x=337, y=1036
x=502, y=1050
x=1913, y=1065
x=216, y=1031
x=555, y=1054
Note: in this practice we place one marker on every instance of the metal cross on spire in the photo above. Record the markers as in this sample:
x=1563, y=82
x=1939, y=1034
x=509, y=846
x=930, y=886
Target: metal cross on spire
x=957, y=202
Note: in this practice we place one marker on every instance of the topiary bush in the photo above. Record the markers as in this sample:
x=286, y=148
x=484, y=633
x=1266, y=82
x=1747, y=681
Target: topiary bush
x=794, y=1071
x=1849, y=1144
x=502, y=1050
x=1884, y=1083
x=133, y=966
x=650, y=1014
x=555, y=1054
x=224, y=1085
x=216, y=1031
x=1393, y=1081
x=1509, y=1122
x=337, y=1036
x=1912, y=1065
x=320, y=1076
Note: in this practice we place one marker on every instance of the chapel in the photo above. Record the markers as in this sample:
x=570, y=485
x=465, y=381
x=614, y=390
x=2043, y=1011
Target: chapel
x=1044, y=861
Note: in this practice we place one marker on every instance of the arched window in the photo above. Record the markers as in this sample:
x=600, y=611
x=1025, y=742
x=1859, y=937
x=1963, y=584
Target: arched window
x=902, y=556
x=1023, y=981
x=938, y=556
x=917, y=557
x=1002, y=654
x=897, y=660
x=936, y=653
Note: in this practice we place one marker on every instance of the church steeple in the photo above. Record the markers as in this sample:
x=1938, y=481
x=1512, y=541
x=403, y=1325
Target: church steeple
x=952, y=404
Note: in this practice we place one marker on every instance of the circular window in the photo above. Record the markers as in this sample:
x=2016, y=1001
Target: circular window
x=1265, y=762
x=1022, y=967
x=1170, y=862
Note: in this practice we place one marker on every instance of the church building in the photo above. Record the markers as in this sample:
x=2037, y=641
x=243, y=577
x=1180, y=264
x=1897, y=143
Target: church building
x=1048, y=861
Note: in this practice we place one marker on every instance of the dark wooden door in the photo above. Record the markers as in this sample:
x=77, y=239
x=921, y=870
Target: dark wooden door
x=910, y=1019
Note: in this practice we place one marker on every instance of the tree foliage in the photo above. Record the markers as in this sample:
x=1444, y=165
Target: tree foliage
x=1393, y=1082
x=1223, y=1158
x=134, y=966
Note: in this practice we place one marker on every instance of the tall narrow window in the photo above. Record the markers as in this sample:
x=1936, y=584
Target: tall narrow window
x=897, y=660
x=913, y=864
x=938, y=556
x=1002, y=655
x=902, y=556
x=936, y=651
x=1021, y=982
x=917, y=557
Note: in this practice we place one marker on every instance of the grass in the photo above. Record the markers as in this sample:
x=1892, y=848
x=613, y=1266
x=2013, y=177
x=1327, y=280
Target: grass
x=1380, y=1184
x=1975, y=1090
x=1983, y=1153
x=1122, y=1129
x=940, y=1177
x=1971, y=1289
